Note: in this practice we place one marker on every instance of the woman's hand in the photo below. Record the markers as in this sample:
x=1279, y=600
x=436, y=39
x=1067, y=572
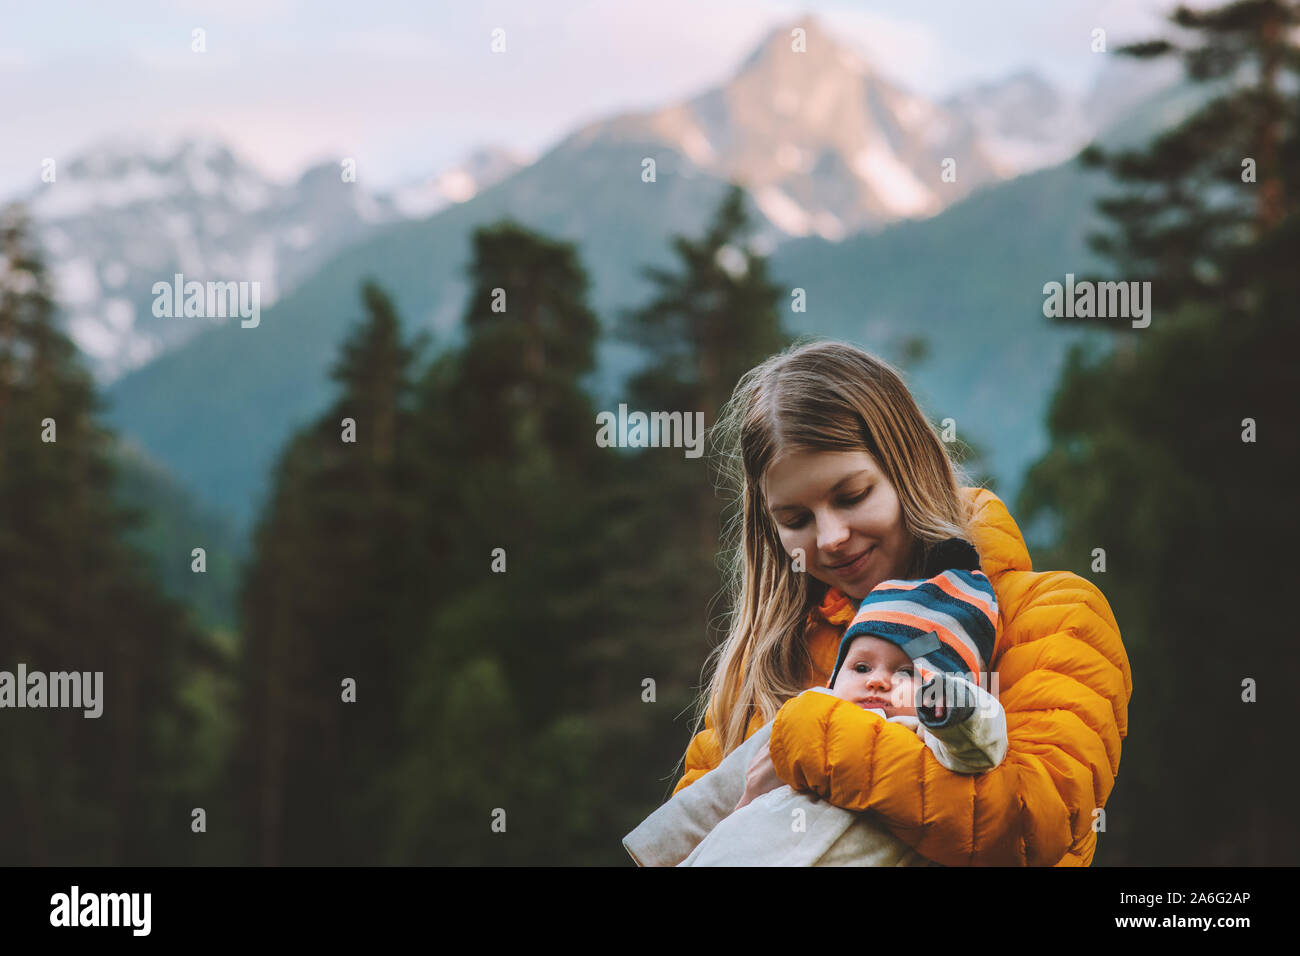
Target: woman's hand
x=761, y=776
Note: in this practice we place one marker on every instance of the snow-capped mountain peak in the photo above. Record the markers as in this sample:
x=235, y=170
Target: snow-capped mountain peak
x=484, y=167
x=825, y=144
x=116, y=174
x=136, y=209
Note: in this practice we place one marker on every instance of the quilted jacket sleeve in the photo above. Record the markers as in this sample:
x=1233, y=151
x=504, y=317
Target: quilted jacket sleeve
x=702, y=755
x=1064, y=682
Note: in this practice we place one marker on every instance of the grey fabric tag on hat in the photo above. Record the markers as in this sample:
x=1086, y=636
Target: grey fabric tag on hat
x=920, y=646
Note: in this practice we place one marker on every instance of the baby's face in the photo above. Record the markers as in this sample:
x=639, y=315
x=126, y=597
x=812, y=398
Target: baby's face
x=877, y=675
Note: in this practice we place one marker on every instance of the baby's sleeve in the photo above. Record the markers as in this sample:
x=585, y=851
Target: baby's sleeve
x=668, y=835
x=971, y=745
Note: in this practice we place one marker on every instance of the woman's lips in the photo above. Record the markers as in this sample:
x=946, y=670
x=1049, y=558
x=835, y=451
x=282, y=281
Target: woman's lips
x=854, y=566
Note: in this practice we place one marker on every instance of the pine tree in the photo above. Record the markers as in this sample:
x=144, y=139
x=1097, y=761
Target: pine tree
x=710, y=319
x=331, y=597
x=1174, y=456
x=74, y=597
x=708, y=322
x=1205, y=194
x=517, y=684
x=510, y=462
x=530, y=337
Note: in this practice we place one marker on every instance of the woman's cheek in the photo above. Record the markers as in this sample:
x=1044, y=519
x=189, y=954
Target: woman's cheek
x=796, y=548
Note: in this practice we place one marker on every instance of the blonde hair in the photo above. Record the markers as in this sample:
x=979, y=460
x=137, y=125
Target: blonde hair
x=814, y=396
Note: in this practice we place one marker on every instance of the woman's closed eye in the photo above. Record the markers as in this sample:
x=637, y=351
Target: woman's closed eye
x=844, y=503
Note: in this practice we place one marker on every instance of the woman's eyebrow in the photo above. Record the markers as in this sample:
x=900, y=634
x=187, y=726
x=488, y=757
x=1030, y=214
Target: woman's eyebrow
x=834, y=488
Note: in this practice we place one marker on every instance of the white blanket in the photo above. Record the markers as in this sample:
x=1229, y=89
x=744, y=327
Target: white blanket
x=700, y=826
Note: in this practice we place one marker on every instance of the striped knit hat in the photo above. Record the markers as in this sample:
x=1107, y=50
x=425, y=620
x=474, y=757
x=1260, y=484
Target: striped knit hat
x=946, y=621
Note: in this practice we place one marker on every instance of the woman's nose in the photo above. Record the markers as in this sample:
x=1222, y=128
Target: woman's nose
x=831, y=534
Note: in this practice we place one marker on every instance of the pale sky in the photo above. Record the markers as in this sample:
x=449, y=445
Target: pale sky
x=411, y=86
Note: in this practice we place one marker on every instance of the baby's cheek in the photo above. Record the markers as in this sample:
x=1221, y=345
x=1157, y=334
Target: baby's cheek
x=904, y=693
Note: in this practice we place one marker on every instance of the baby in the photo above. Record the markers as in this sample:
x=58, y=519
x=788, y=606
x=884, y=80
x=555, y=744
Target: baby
x=909, y=655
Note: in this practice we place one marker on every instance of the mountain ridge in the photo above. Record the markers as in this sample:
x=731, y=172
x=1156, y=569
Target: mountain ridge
x=245, y=390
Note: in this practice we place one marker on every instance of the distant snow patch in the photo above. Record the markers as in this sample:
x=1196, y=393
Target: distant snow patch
x=262, y=268
x=828, y=226
x=793, y=159
x=852, y=62
x=114, y=275
x=204, y=180
x=75, y=281
x=92, y=337
x=140, y=350
x=912, y=111
x=425, y=198
x=56, y=242
x=64, y=199
x=119, y=314
x=249, y=194
x=457, y=185
x=697, y=146
x=893, y=183
x=786, y=214
x=176, y=225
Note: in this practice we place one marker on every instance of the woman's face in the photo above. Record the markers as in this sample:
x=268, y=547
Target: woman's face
x=839, y=506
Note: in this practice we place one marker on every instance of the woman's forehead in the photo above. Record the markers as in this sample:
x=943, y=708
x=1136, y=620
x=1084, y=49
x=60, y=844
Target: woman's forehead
x=813, y=471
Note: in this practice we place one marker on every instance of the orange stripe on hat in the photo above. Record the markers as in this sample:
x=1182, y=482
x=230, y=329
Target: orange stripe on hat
x=972, y=596
x=925, y=625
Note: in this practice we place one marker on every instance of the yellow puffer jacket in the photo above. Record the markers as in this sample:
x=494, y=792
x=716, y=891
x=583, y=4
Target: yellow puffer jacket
x=1063, y=679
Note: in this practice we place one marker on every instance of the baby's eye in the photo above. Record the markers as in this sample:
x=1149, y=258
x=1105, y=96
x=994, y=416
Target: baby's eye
x=861, y=668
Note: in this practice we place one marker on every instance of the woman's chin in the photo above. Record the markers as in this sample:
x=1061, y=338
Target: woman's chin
x=856, y=591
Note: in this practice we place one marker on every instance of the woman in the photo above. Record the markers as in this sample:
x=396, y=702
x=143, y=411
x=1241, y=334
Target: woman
x=843, y=484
